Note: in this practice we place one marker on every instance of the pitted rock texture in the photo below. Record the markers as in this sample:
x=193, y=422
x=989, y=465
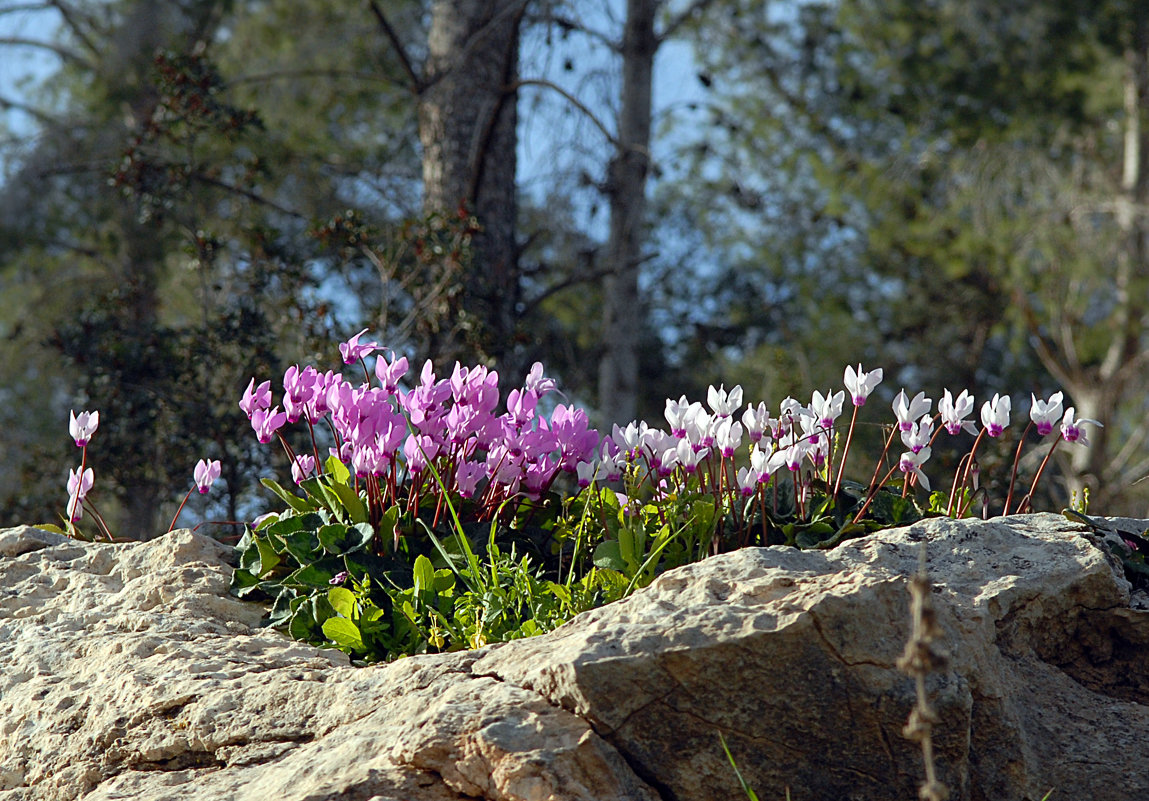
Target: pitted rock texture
x=127, y=671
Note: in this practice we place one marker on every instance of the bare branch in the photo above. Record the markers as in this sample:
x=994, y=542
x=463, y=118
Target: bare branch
x=415, y=83
x=574, y=101
x=271, y=204
x=63, y=52
x=567, y=283
x=697, y=7
x=21, y=7
x=7, y=104
x=568, y=24
x=69, y=16
x=267, y=77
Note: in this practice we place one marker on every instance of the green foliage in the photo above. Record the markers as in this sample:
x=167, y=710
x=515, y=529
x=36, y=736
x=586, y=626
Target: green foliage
x=335, y=579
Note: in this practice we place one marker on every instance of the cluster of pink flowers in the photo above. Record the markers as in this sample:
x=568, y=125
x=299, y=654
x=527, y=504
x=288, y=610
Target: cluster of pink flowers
x=803, y=433
x=390, y=430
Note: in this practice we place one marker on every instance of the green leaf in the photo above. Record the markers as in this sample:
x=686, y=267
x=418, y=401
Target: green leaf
x=342, y=601
x=302, y=545
x=424, y=574
x=243, y=583
x=268, y=558
x=344, y=633
x=337, y=471
x=300, y=505
x=338, y=539
x=812, y=535
x=607, y=555
x=317, y=489
x=303, y=625
x=315, y=575
x=356, y=509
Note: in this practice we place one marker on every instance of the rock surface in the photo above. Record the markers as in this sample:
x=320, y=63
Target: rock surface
x=126, y=671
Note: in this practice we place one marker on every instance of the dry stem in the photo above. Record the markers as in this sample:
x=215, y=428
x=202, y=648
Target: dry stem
x=918, y=660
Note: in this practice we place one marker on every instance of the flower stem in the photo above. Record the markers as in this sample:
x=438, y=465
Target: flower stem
x=845, y=453
x=177, y=514
x=1016, y=460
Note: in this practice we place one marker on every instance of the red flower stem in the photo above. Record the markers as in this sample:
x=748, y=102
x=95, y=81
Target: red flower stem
x=314, y=445
x=964, y=474
x=1013, y=473
x=846, y=452
x=177, y=514
x=1021, y=507
x=872, y=494
x=881, y=458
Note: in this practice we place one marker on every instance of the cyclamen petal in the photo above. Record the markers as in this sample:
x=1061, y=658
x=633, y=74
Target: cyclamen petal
x=861, y=384
x=205, y=474
x=1045, y=414
x=82, y=427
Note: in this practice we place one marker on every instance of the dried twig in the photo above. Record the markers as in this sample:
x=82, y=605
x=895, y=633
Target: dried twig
x=920, y=658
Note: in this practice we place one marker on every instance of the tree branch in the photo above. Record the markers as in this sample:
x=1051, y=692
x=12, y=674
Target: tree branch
x=63, y=52
x=574, y=101
x=68, y=15
x=415, y=83
x=697, y=7
x=568, y=24
x=43, y=116
x=267, y=77
x=21, y=7
x=581, y=278
x=252, y=196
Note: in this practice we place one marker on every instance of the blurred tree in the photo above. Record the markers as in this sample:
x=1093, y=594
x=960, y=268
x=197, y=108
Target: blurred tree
x=954, y=171
x=154, y=238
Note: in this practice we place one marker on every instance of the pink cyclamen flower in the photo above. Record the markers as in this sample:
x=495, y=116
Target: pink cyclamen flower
x=339, y=577
x=827, y=409
x=255, y=397
x=918, y=437
x=728, y=436
x=911, y=463
x=908, y=411
x=995, y=414
x=266, y=422
x=302, y=467
x=538, y=383
x=82, y=427
x=589, y=472
x=1071, y=429
x=861, y=384
x=724, y=403
x=467, y=477
x=954, y=412
x=79, y=485
x=391, y=374
x=1045, y=414
x=352, y=350
x=757, y=421
x=206, y=472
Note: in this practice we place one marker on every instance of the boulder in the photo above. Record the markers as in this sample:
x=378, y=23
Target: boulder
x=127, y=671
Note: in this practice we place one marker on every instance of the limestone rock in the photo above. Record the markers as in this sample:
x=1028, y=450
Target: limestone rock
x=127, y=671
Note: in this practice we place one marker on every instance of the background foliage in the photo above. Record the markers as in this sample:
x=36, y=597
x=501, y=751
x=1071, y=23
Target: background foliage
x=200, y=191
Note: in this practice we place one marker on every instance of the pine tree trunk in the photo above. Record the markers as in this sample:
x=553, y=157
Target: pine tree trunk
x=622, y=316
x=467, y=124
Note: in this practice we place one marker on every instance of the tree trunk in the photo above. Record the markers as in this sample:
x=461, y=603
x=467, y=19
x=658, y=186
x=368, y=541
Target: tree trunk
x=467, y=122
x=626, y=185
